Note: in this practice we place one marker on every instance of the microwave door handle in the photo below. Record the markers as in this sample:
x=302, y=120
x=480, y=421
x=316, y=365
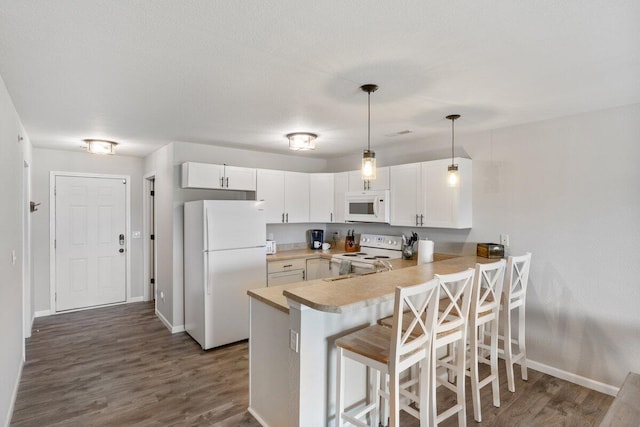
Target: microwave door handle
x=375, y=207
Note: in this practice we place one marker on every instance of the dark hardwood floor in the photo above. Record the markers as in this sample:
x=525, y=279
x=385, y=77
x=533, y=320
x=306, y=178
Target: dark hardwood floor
x=120, y=366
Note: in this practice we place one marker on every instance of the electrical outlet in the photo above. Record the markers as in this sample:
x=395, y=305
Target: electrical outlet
x=336, y=234
x=504, y=240
x=293, y=340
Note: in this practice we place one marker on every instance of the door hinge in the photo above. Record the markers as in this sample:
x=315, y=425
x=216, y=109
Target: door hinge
x=153, y=237
x=153, y=281
x=153, y=193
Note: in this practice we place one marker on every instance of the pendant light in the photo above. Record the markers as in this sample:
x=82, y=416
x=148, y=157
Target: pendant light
x=453, y=168
x=369, y=157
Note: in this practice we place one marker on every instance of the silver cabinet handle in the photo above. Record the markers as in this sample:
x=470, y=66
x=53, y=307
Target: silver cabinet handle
x=421, y=219
x=227, y=182
x=331, y=216
x=282, y=216
x=287, y=217
x=417, y=223
x=222, y=181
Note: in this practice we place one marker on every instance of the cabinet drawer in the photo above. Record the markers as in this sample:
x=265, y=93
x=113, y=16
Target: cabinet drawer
x=285, y=277
x=286, y=265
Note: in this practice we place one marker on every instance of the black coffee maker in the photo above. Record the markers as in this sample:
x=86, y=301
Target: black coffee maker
x=316, y=238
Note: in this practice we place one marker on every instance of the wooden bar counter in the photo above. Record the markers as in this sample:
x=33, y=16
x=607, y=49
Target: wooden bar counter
x=293, y=330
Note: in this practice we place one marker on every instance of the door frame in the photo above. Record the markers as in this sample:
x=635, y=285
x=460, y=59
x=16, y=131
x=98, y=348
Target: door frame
x=146, y=231
x=52, y=234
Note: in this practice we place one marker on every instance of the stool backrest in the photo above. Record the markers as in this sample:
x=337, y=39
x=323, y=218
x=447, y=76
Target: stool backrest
x=487, y=289
x=455, y=299
x=414, y=315
x=515, y=289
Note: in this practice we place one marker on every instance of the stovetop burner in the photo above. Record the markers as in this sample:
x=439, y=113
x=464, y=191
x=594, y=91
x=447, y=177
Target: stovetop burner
x=381, y=256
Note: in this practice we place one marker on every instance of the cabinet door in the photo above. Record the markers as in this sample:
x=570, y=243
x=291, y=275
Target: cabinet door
x=382, y=180
x=270, y=188
x=296, y=197
x=237, y=178
x=321, y=197
x=444, y=206
x=284, y=277
x=356, y=183
x=340, y=186
x=405, y=194
x=201, y=175
x=318, y=268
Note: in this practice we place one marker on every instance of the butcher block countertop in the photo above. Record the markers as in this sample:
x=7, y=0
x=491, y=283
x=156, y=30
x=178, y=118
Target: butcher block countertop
x=346, y=294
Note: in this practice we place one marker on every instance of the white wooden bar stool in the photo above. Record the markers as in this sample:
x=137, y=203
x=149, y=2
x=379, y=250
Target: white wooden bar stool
x=391, y=352
x=514, y=297
x=450, y=331
x=485, y=309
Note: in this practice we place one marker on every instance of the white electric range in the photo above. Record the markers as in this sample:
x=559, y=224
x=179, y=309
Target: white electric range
x=375, y=251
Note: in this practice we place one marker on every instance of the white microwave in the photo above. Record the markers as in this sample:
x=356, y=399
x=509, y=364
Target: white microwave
x=367, y=206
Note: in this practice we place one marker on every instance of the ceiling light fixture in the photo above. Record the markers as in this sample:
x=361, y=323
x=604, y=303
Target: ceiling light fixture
x=369, y=157
x=453, y=168
x=100, y=146
x=302, y=141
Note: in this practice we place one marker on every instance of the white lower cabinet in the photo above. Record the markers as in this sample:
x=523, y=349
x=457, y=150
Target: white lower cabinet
x=286, y=271
x=421, y=196
x=319, y=268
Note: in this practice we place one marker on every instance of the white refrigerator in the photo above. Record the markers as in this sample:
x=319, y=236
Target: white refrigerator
x=224, y=256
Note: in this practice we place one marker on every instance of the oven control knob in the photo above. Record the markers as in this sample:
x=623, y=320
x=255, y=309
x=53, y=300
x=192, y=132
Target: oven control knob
x=389, y=242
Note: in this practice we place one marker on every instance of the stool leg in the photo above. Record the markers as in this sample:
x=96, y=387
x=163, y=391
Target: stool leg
x=394, y=398
x=339, y=387
x=508, y=355
x=424, y=391
x=375, y=414
x=495, y=383
x=460, y=380
x=521, y=342
x=475, y=379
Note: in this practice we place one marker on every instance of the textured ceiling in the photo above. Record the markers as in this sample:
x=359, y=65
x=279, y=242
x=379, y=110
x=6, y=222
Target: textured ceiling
x=245, y=73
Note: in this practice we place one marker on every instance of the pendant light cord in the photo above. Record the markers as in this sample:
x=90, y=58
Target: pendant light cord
x=452, y=139
x=369, y=122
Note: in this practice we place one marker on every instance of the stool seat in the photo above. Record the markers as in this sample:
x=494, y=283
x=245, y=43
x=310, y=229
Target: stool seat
x=372, y=342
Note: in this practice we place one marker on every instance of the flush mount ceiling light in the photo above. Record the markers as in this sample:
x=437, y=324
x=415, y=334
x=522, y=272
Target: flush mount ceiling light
x=100, y=146
x=453, y=168
x=369, y=157
x=302, y=141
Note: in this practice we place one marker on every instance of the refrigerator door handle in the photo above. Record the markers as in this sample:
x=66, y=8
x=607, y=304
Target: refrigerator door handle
x=208, y=281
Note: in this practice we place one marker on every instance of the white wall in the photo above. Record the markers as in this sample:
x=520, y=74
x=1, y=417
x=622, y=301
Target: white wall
x=45, y=161
x=13, y=154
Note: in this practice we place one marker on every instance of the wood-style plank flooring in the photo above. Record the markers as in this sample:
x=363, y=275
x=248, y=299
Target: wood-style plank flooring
x=120, y=366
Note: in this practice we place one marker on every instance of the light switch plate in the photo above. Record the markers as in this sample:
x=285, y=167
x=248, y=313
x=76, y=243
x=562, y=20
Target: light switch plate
x=293, y=340
x=504, y=240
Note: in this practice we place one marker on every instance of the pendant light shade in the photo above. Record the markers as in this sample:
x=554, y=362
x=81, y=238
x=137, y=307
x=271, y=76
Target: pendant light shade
x=100, y=146
x=368, y=170
x=302, y=141
x=452, y=169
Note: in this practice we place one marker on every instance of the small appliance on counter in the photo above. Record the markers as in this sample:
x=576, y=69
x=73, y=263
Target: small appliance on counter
x=316, y=239
x=271, y=247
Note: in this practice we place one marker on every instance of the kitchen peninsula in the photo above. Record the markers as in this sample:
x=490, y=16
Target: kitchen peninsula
x=293, y=330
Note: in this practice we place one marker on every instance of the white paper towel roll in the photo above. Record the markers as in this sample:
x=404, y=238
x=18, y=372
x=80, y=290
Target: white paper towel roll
x=425, y=251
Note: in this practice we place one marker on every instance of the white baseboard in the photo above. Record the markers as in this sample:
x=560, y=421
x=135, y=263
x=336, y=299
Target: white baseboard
x=573, y=378
x=135, y=299
x=258, y=418
x=14, y=395
x=173, y=329
x=42, y=313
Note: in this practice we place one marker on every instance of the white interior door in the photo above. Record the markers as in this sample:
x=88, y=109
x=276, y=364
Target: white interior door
x=90, y=241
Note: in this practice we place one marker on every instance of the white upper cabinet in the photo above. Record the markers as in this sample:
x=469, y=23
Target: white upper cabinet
x=237, y=178
x=356, y=183
x=444, y=206
x=321, y=203
x=296, y=197
x=201, y=175
x=340, y=187
x=405, y=194
x=286, y=195
x=421, y=196
x=211, y=176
